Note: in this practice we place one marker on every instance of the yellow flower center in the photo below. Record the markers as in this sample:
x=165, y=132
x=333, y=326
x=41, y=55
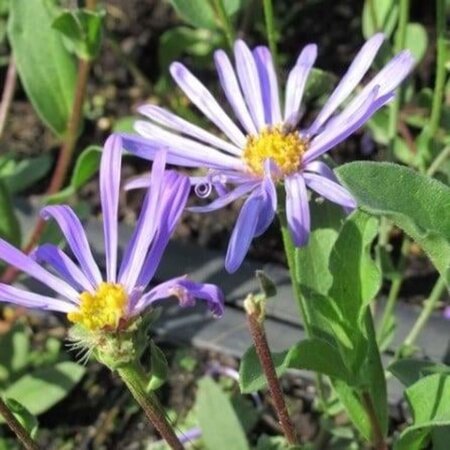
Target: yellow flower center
x=101, y=309
x=284, y=148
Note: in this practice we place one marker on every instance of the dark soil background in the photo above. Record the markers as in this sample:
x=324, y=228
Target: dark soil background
x=99, y=414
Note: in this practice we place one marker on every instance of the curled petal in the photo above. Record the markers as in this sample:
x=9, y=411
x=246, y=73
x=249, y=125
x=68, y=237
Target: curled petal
x=187, y=292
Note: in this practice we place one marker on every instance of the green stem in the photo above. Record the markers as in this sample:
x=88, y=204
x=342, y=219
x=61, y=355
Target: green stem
x=134, y=378
x=395, y=287
x=429, y=306
x=377, y=433
x=224, y=20
x=270, y=27
x=437, y=163
x=16, y=427
x=400, y=40
x=436, y=108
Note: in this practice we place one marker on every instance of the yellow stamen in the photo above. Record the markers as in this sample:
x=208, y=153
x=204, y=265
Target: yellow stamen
x=284, y=148
x=101, y=309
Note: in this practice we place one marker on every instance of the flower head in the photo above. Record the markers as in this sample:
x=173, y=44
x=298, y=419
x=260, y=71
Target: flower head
x=110, y=303
x=268, y=147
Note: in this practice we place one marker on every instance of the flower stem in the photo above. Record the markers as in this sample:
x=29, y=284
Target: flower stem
x=256, y=327
x=224, y=20
x=17, y=428
x=8, y=93
x=439, y=161
x=377, y=438
x=400, y=40
x=429, y=306
x=133, y=376
x=270, y=27
x=65, y=153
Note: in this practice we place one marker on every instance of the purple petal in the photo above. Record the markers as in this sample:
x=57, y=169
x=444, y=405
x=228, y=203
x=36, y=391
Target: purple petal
x=10, y=294
x=187, y=291
x=206, y=103
x=110, y=168
x=296, y=84
x=269, y=84
x=349, y=81
x=16, y=258
x=52, y=255
x=185, y=147
x=249, y=80
x=269, y=201
x=76, y=238
x=226, y=199
x=138, y=182
x=297, y=209
x=146, y=226
x=174, y=122
x=339, y=130
x=330, y=190
x=243, y=233
x=230, y=86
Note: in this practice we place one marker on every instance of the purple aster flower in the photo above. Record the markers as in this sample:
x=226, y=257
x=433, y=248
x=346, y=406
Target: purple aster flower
x=269, y=147
x=109, y=303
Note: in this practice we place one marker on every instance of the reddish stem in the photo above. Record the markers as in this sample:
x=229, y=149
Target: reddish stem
x=8, y=93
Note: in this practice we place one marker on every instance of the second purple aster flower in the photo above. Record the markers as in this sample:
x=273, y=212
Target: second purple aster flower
x=269, y=147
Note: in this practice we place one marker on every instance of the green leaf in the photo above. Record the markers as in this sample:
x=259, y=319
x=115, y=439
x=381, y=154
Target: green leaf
x=409, y=371
x=251, y=376
x=82, y=31
x=319, y=82
x=200, y=13
x=429, y=400
x=416, y=40
x=159, y=367
x=414, y=202
x=221, y=429
x=40, y=390
x=20, y=175
x=25, y=418
x=86, y=166
x=46, y=69
x=14, y=350
x=379, y=15
x=9, y=225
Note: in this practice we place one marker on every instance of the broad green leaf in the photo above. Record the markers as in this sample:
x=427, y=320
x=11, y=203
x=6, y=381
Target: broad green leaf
x=25, y=418
x=409, y=371
x=22, y=174
x=414, y=202
x=9, y=225
x=46, y=69
x=379, y=15
x=159, y=367
x=416, y=40
x=86, y=166
x=221, y=429
x=82, y=31
x=14, y=350
x=251, y=376
x=200, y=13
x=429, y=400
x=40, y=390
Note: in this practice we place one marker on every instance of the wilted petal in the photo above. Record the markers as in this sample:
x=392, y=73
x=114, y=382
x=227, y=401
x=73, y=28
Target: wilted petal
x=297, y=209
x=187, y=291
x=76, y=238
x=206, y=103
x=110, y=168
x=330, y=190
